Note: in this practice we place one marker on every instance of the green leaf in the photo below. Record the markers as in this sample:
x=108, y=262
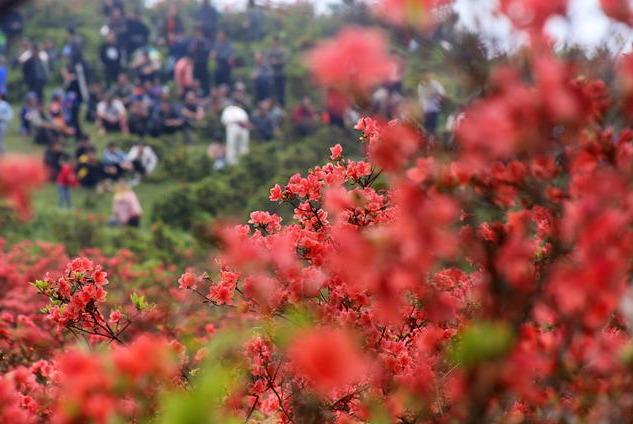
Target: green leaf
x=481, y=341
x=140, y=302
x=41, y=285
x=203, y=403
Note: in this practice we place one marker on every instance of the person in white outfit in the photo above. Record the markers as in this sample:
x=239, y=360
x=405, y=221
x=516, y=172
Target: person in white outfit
x=142, y=159
x=431, y=93
x=237, y=126
x=6, y=115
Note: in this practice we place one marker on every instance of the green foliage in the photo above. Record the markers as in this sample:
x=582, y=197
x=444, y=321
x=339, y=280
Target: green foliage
x=203, y=404
x=481, y=341
x=245, y=187
x=139, y=302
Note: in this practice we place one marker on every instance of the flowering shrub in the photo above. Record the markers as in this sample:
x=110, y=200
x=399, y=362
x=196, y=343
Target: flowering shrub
x=19, y=177
x=485, y=283
x=361, y=58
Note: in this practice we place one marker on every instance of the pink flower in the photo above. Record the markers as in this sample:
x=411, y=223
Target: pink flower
x=326, y=358
x=336, y=152
x=115, y=317
x=265, y=220
x=619, y=10
x=355, y=61
x=276, y=193
x=188, y=281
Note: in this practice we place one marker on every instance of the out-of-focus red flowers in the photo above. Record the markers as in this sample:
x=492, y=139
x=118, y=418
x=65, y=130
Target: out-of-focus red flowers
x=188, y=281
x=394, y=146
x=532, y=15
x=353, y=62
x=619, y=10
x=97, y=388
x=327, y=358
x=518, y=118
x=336, y=152
x=485, y=283
x=20, y=176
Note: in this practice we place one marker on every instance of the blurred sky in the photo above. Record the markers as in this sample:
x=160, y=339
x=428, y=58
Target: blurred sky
x=586, y=25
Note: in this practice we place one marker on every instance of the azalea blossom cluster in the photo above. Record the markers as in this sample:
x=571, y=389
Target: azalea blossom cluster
x=44, y=375
x=80, y=386
x=77, y=298
x=489, y=281
x=19, y=177
x=488, y=285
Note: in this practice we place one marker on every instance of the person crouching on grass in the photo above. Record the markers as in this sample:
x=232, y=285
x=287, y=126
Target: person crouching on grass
x=126, y=209
x=66, y=180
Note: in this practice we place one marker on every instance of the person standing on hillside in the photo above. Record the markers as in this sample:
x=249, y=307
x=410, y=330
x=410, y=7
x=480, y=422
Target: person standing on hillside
x=73, y=100
x=237, y=126
x=208, y=19
x=172, y=26
x=109, y=5
x=431, y=93
x=184, y=74
x=35, y=72
x=111, y=56
x=6, y=115
x=262, y=78
x=66, y=180
x=4, y=75
x=223, y=54
x=254, y=24
x=200, y=50
x=138, y=33
x=278, y=59
x=73, y=52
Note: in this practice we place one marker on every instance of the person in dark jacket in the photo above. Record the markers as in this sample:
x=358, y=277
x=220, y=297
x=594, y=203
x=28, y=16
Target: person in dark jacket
x=35, y=73
x=117, y=24
x=208, y=19
x=263, y=121
x=73, y=99
x=278, y=59
x=89, y=169
x=109, y=5
x=73, y=48
x=223, y=54
x=137, y=33
x=254, y=24
x=167, y=119
x=262, y=78
x=172, y=25
x=199, y=51
x=12, y=25
x=110, y=55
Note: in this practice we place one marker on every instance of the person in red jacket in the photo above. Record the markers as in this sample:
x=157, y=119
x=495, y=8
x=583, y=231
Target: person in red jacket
x=66, y=180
